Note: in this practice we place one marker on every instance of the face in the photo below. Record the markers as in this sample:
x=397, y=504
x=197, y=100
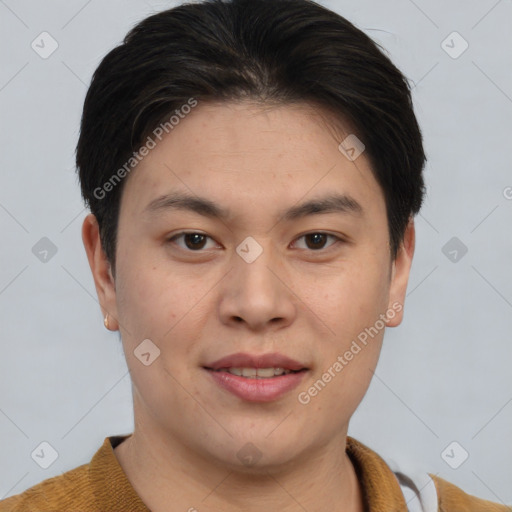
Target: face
x=225, y=265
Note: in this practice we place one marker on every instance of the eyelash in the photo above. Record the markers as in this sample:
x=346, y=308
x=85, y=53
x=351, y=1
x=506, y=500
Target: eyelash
x=183, y=233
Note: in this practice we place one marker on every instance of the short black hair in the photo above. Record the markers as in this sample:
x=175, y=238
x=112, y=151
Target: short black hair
x=272, y=51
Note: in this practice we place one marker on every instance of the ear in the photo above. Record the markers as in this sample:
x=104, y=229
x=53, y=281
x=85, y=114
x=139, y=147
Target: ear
x=400, y=275
x=101, y=270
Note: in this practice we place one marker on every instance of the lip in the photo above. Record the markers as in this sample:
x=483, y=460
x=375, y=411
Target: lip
x=257, y=390
x=243, y=360
x=252, y=389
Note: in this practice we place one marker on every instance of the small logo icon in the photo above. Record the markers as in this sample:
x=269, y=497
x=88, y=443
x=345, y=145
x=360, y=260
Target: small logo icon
x=351, y=147
x=44, y=250
x=249, y=250
x=507, y=193
x=454, y=45
x=249, y=455
x=44, y=45
x=454, y=455
x=44, y=455
x=146, y=352
x=454, y=250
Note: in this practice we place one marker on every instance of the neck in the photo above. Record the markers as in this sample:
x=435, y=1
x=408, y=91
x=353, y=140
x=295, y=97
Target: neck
x=163, y=472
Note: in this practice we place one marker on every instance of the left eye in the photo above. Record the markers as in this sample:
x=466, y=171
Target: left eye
x=317, y=240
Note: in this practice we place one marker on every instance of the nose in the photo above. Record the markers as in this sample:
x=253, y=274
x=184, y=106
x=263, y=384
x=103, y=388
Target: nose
x=257, y=294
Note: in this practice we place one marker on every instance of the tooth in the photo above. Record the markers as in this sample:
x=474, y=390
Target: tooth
x=257, y=373
x=266, y=372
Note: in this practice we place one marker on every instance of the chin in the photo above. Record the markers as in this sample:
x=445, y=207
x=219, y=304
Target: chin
x=259, y=452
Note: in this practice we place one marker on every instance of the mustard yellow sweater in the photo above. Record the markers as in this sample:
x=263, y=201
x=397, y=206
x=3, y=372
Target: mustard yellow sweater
x=102, y=486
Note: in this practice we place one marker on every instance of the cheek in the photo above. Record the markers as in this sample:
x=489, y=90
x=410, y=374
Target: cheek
x=153, y=306
x=353, y=299
x=161, y=305
x=149, y=304
x=362, y=297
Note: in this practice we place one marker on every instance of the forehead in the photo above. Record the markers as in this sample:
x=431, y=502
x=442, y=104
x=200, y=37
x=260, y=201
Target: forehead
x=252, y=154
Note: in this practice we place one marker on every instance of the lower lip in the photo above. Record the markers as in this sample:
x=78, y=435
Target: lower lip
x=257, y=390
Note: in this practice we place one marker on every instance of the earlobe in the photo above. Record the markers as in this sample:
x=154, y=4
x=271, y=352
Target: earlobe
x=101, y=270
x=400, y=275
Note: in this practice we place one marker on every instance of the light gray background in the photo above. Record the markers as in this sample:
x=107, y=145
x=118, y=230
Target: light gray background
x=444, y=374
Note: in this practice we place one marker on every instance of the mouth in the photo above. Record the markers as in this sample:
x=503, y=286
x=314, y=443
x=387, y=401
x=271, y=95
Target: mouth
x=257, y=373
x=257, y=378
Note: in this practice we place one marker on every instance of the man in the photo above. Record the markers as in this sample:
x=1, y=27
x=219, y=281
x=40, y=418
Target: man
x=253, y=169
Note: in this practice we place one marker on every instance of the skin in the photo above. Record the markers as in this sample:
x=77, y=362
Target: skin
x=304, y=298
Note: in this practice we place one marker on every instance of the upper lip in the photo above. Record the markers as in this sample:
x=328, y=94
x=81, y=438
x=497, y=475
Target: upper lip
x=242, y=360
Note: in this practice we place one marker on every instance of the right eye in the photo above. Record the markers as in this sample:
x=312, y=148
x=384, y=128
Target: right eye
x=193, y=240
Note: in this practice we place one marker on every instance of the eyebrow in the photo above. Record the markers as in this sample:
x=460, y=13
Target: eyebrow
x=332, y=203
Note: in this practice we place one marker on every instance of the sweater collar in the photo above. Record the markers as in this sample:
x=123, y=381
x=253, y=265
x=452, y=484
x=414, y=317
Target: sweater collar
x=113, y=490
x=379, y=485
x=111, y=487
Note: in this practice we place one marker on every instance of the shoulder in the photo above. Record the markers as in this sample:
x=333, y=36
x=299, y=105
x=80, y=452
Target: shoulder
x=93, y=487
x=452, y=498
x=70, y=489
x=404, y=486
